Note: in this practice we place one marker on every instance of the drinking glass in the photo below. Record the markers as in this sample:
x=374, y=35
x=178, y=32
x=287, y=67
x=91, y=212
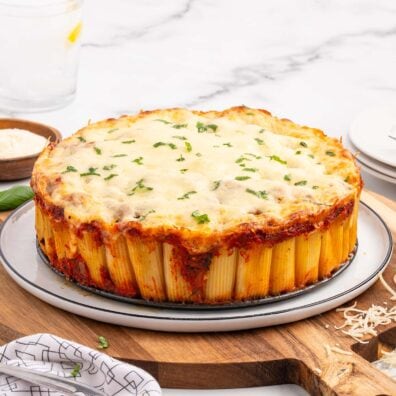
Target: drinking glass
x=39, y=51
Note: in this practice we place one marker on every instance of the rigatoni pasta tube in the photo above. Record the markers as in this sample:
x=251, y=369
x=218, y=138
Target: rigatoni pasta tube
x=120, y=267
x=147, y=261
x=253, y=272
x=177, y=288
x=221, y=277
x=282, y=277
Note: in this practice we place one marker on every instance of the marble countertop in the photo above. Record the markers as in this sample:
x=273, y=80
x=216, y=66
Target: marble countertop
x=316, y=62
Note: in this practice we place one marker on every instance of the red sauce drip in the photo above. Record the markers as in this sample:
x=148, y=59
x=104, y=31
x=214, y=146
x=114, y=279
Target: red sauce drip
x=193, y=268
x=76, y=269
x=107, y=283
x=94, y=229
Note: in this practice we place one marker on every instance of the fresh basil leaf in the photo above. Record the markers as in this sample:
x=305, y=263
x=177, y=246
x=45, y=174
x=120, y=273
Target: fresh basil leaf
x=15, y=196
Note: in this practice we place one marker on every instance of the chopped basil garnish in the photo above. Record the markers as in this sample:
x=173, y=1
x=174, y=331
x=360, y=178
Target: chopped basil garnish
x=346, y=180
x=311, y=156
x=109, y=167
x=70, y=169
x=250, y=114
x=143, y=217
x=76, y=370
x=303, y=144
x=179, y=137
x=259, y=141
x=250, y=169
x=187, y=195
x=98, y=150
x=128, y=141
x=216, y=185
x=138, y=160
x=201, y=127
x=188, y=146
x=163, y=121
x=81, y=139
x=159, y=144
x=259, y=194
x=315, y=187
x=301, y=183
x=111, y=176
x=277, y=159
x=253, y=155
x=183, y=170
x=119, y=155
x=112, y=130
x=180, y=159
x=179, y=126
x=227, y=144
x=103, y=343
x=91, y=172
x=298, y=152
x=200, y=218
x=261, y=130
x=241, y=159
x=140, y=187
x=198, y=154
x=330, y=153
x=241, y=178
x=213, y=127
x=287, y=177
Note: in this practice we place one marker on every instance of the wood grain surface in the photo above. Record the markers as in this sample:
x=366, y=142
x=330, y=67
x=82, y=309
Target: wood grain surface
x=292, y=353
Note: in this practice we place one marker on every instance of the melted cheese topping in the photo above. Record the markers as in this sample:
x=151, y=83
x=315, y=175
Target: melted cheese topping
x=19, y=143
x=185, y=169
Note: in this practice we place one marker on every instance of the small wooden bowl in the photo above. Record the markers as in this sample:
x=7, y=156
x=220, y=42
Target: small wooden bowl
x=21, y=167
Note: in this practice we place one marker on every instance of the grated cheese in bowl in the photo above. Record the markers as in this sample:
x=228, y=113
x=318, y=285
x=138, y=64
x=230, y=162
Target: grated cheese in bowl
x=19, y=143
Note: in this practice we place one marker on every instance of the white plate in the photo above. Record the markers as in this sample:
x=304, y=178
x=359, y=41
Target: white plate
x=371, y=163
x=371, y=130
x=22, y=262
x=376, y=166
x=376, y=173
x=372, y=166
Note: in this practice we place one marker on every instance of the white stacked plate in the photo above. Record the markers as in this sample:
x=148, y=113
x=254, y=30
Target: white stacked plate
x=373, y=136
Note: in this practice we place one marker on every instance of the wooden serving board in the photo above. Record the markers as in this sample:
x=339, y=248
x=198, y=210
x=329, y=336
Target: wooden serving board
x=292, y=353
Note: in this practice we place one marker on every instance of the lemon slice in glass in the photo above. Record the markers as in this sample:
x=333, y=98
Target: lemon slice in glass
x=75, y=33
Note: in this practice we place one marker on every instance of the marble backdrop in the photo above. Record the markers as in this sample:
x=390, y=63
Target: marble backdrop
x=315, y=62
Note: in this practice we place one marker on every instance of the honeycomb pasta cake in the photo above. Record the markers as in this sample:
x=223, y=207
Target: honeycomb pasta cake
x=201, y=207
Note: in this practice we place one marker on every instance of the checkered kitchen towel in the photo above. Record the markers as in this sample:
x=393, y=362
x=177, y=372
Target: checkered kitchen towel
x=48, y=353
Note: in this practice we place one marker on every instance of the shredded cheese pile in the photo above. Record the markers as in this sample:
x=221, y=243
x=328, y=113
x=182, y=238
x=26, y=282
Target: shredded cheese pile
x=360, y=323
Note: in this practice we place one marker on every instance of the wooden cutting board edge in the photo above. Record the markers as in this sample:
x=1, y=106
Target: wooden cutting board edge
x=292, y=353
